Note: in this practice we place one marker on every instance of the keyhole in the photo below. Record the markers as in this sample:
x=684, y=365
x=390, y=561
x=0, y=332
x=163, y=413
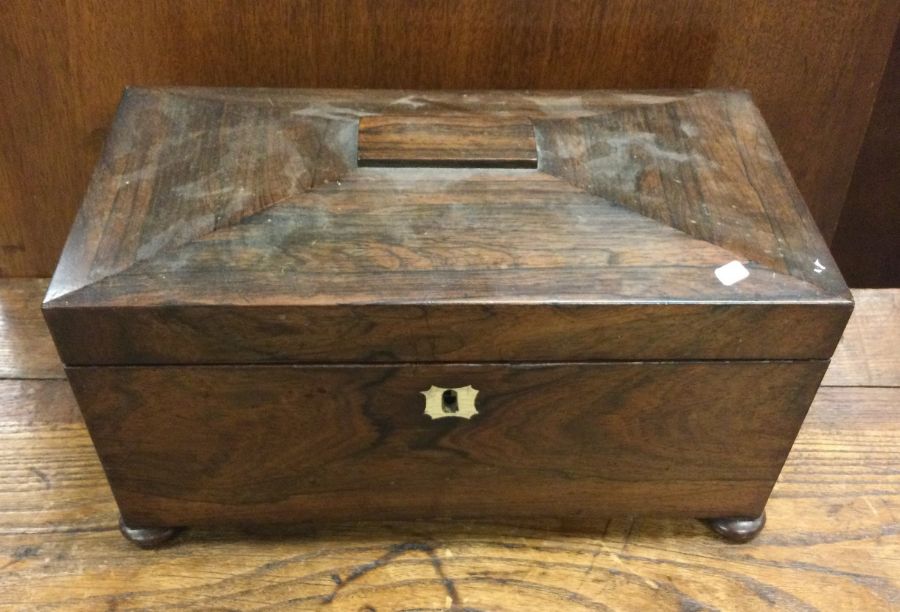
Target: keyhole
x=449, y=402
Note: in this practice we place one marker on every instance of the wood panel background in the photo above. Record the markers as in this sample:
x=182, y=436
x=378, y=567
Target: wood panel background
x=867, y=241
x=813, y=67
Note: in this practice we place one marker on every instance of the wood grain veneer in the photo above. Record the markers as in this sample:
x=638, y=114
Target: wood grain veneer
x=238, y=220
x=249, y=318
x=446, y=141
x=831, y=541
x=225, y=445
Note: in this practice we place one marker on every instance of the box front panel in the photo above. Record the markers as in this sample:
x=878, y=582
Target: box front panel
x=277, y=444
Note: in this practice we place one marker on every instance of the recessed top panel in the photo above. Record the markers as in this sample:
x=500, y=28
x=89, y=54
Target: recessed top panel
x=447, y=141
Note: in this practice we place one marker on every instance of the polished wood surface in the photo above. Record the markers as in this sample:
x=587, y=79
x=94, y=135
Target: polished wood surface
x=241, y=214
x=446, y=141
x=813, y=67
x=185, y=447
x=705, y=165
x=831, y=542
x=249, y=205
x=461, y=333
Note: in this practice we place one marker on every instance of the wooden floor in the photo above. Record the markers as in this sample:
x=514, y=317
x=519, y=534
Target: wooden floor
x=832, y=542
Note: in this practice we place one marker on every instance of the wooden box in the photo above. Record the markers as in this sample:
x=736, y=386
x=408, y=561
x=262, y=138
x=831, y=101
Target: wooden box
x=284, y=306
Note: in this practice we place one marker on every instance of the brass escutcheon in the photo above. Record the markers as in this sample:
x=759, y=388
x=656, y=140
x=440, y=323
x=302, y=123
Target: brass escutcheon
x=459, y=402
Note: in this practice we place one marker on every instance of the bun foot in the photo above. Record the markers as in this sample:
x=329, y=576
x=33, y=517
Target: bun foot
x=737, y=529
x=147, y=537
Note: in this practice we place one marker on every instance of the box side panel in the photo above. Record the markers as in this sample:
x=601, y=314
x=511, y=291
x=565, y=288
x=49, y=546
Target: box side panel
x=286, y=444
x=461, y=333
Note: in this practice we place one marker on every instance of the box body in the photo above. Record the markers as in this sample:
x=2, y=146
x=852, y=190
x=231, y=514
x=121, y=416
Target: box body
x=280, y=306
x=206, y=445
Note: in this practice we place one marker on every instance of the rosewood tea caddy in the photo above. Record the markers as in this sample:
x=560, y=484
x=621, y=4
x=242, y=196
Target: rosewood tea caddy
x=288, y=306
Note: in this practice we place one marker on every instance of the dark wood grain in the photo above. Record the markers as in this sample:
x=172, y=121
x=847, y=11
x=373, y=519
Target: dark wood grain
x=246, y=208
x=831, y=542
x=176, y=168
x=181, y=163
x=472, y=141
x=344, y=443
x=244, y=263
x=705, y=165
x=444, y=333
x=813, y=68
x=864, y=356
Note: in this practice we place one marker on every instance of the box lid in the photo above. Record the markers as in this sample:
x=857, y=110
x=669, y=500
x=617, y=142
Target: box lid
x=262, y=226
